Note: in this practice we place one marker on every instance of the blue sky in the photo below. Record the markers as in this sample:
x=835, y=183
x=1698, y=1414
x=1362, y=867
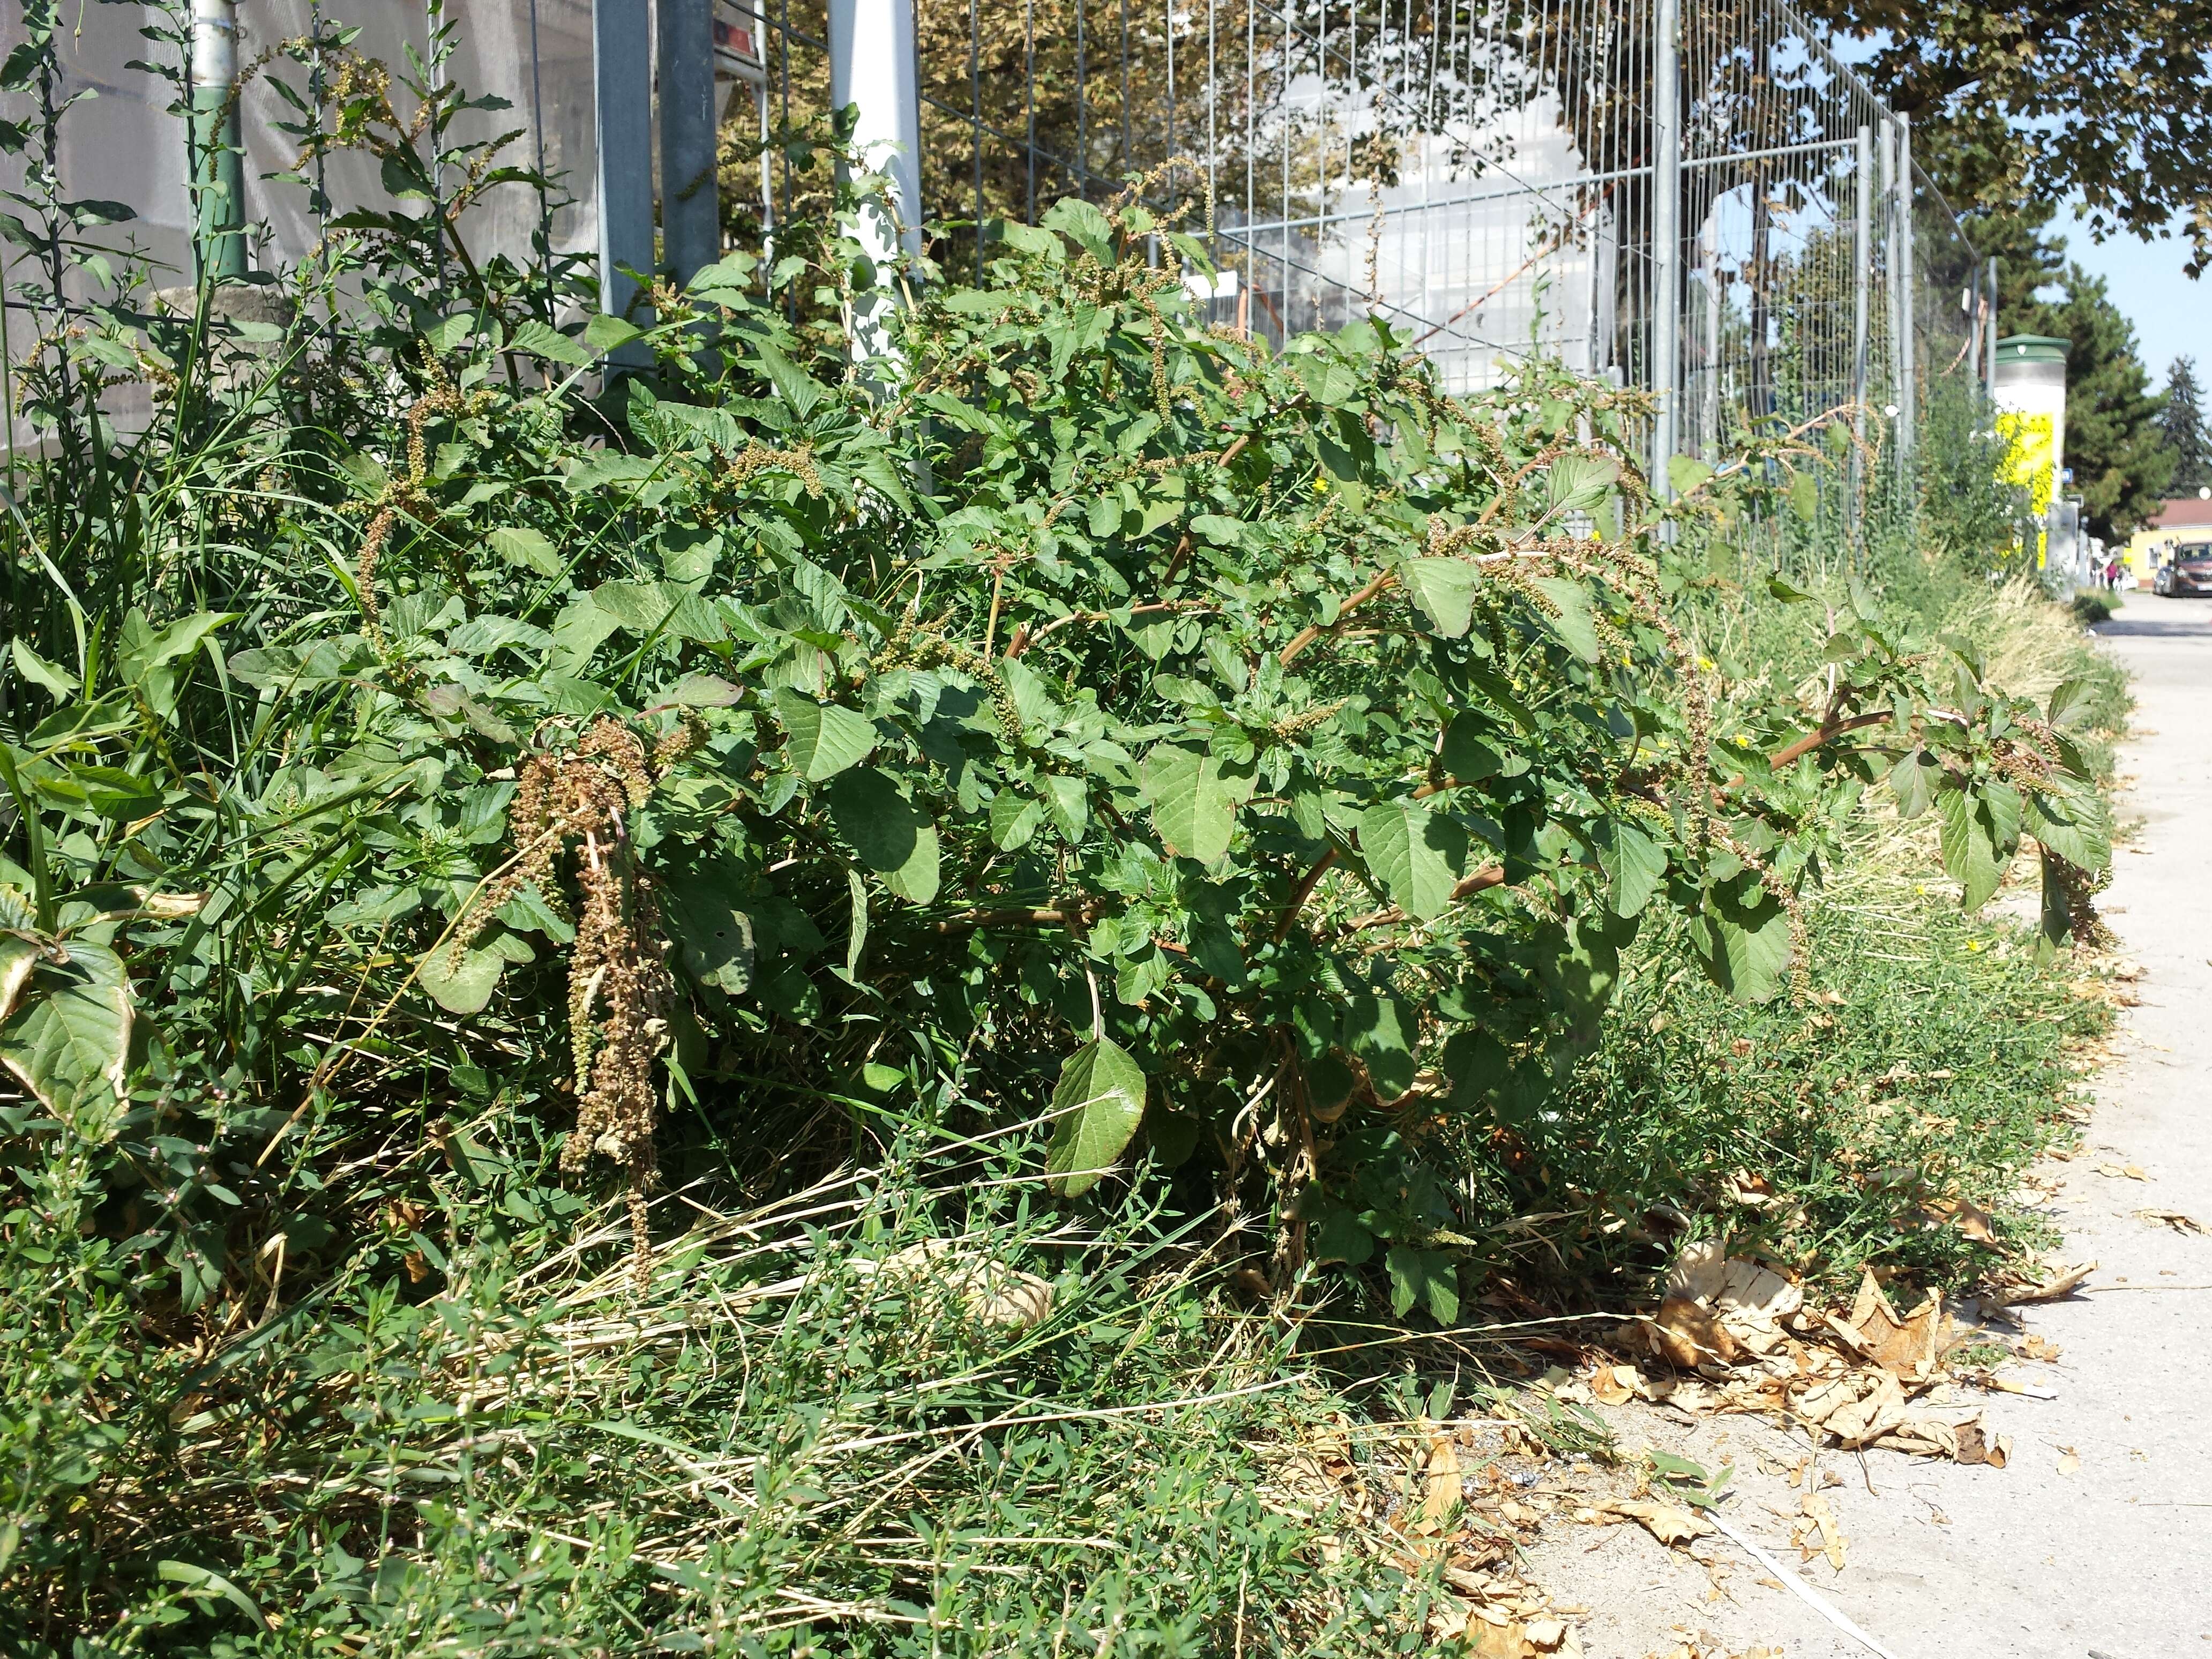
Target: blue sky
x=2172, y=315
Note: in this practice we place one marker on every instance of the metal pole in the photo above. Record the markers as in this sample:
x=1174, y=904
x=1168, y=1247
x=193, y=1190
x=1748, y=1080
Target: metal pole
x=218, y=167
x=1892, y=305
x=1989, y=356
x=1711, y=257
x=1906, y=412
x=621, y=84
x=1666, y=240
x=1862, y=296
x=691, y=207
x=871, y=64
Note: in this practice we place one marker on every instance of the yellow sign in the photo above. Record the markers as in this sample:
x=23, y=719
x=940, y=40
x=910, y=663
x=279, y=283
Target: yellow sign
x=2031, y=460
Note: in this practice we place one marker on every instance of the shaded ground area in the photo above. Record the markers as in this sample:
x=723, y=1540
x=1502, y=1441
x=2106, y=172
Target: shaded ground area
x=2095, y=1542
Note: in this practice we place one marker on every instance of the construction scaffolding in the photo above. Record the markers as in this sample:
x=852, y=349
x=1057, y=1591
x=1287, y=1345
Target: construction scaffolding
x=1701, y=200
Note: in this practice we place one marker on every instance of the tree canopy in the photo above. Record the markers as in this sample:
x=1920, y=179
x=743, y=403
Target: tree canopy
x=2053, y=99
x=2181, y=419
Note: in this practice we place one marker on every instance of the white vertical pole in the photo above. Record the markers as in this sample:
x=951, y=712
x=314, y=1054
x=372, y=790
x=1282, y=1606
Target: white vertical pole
x=1862, y=291
x=1906, y=414
x=621, y=76
x=1709, y=433
x=871, y=63
x=691, y=209
x=1666, y=240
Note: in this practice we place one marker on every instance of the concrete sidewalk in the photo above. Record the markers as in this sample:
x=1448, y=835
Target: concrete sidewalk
x=2096, y=1542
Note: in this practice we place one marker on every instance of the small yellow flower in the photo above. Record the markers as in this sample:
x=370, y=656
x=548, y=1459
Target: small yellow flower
x=1321, y=486
x=1973, y=945
x=1705, y=662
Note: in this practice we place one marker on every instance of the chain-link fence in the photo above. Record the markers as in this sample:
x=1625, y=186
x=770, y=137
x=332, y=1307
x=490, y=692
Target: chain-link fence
x=1704, y=202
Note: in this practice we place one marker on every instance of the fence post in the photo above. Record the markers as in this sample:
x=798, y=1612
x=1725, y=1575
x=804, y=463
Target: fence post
x=871, y=63
x=218, y=169
x=1862, y=293
x=1666, y=240
x=691, y=208
x=1907, y=410
x=622, y=87
x=1990, y=353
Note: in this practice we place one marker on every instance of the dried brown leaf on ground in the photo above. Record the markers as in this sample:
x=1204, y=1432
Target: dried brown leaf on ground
x=2173, y=1218
x=1515, y=1640
x=1750, y=1300
x=2058, y=1282
x=1976, y=1445
x=1971, y=1220
x=2069, y=1461
x=1816, y=1511
x=1615, y=1385
x=1911, y=1346
x=1440, y=1477
x=1670, y=1524
x=986, y=1290
x=1688, y=1335
x=2123, y=1171
x=2033, y=1346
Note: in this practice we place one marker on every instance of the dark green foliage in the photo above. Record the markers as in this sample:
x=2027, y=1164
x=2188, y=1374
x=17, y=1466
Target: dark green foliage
x=2182, y=422
x=1107, y=802
x=2051, y=100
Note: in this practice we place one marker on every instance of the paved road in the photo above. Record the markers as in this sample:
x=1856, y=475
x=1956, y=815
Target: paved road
x=2112, y=1559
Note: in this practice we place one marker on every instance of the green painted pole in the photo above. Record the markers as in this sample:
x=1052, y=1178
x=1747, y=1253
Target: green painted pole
x=218, y=162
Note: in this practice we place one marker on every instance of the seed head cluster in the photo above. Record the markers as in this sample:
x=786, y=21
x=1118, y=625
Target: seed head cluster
x=575, y=806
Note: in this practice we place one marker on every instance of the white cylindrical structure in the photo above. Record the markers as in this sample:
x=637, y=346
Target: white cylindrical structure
x=2031, y=393
x=871, y=64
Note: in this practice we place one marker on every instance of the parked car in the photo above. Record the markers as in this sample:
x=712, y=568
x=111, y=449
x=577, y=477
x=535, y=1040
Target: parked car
x=2189, y=570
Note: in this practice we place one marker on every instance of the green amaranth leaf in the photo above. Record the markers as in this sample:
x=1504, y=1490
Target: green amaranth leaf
x=1974, y=856
x=1415, y=854
x=1444, y=591
x=715, y=936
x=68, y=1040
x=1097, y=1107
x=2055, y=922
x=1573, y=622
x=891, y=836
x=1194, y=802
x=2072, y=821
x=1744, y=948
x=1686, y=473
x=519, y=545
x=1578, y=482
x=540, y=341
x=1381, y=1031
x=1428, y=1277
x=57, y=681
x=1634, y=866
x=825, y=738
x=462, y=985
x=1914, y=780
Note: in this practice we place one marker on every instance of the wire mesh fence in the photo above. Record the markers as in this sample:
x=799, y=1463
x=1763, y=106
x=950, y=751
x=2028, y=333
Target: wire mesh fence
x=1703, y=201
